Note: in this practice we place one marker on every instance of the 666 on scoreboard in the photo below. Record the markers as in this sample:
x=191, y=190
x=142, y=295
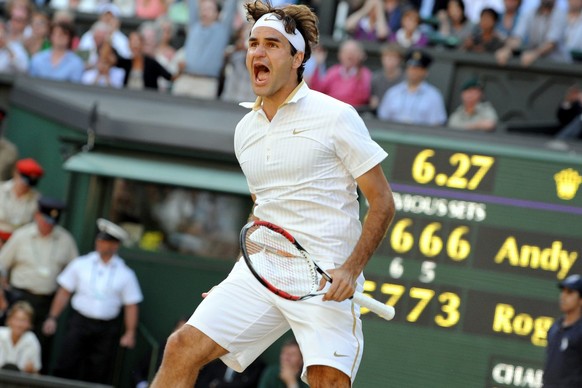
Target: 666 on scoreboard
x=481, y=237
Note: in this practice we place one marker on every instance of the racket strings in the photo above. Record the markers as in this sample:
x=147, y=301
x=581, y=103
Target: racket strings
x=280, y=263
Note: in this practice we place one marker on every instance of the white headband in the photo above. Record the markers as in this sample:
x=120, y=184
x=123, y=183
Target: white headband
x=273, y=21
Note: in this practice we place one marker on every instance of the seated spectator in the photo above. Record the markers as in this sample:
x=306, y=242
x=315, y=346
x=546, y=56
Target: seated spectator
x=19, y=347
x=150, y=9
x=39, y=37
x=152, y=35
x=485, y=38
x=414, y=101
x=454, y=26
x=59, y=62
x=569, y=114
x=538, y=33
x=13, y=57
x=105, y=73
x=19, y=14
x=152, y=38
x=410, y=35
x=68, y=17
x=287, y=373
x=348, y=81
x=473, y=8
x=109, y=15
x=573, y=33
x=141, y=71
x=165, y=52
x=509, y=17
x=369, y=22
x=389, y=75
x=209, y=32
x=18, y=197
x=92, y=41
x=473, y=114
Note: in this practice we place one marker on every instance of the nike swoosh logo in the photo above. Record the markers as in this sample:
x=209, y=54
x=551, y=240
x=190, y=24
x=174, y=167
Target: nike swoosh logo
x=297, y=132
x=336, y=354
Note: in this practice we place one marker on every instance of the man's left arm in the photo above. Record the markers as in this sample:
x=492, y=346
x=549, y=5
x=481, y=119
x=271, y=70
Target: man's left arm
x=376, y=189
x=130, y=317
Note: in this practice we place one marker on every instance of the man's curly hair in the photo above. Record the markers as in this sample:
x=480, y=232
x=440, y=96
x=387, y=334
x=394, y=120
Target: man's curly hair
x=299, y=17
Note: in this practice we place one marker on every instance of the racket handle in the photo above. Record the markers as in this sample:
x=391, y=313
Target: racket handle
x=383, y=310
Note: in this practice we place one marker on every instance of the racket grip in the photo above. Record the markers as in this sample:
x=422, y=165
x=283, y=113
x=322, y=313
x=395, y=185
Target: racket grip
x=383, y=310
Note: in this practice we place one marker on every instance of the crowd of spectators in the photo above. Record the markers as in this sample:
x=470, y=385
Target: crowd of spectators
x=527, y=30
x=39, y=39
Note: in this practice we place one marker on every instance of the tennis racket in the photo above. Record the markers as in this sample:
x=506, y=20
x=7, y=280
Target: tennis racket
x=281, y=264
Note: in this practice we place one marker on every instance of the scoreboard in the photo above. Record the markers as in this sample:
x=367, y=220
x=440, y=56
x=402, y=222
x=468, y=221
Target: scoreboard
x=483, y=233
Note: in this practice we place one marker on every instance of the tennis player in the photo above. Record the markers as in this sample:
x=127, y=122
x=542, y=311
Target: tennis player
x=304, y=155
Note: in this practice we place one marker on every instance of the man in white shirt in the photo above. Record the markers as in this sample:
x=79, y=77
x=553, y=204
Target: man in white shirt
x=101, y=286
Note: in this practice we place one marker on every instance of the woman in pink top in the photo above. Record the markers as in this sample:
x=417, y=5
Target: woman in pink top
x=349, y=81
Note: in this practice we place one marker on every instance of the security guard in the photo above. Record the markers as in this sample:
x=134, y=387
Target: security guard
x=563, y=367
x=18, y=198
x=102, y=285
x=32, y=259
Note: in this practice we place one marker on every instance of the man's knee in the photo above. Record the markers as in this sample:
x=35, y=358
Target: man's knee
x=191, y=345
x=321, y=376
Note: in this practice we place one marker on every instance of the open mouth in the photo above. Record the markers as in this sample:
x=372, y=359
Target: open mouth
x=261, y=73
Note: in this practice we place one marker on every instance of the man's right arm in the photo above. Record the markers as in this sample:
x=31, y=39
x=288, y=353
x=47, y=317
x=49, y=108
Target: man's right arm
x=60, y=301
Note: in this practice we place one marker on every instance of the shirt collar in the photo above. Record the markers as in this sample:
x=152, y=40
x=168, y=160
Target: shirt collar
x=113, y=262
x=298, y=93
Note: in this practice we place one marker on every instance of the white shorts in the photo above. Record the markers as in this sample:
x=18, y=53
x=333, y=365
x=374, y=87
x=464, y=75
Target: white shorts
x=245, y=318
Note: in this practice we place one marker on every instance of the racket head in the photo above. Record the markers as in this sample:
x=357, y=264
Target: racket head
x=278, y=261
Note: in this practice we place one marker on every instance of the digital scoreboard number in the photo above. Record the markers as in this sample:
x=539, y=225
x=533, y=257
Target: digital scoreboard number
x=481, y=237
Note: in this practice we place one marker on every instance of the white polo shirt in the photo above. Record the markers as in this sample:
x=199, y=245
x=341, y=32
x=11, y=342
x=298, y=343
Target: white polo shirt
x=100, y=290
x=302, y=167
